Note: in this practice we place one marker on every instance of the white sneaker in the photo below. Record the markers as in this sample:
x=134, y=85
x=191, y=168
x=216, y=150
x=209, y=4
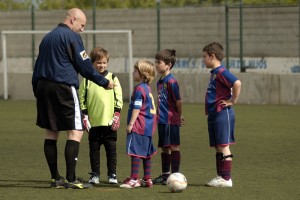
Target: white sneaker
x=94, y=179
x=112, y=179
x=130, y=183
x=219, y=182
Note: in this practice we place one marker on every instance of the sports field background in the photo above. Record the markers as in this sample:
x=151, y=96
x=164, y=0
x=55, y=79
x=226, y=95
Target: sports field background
x=266, y=157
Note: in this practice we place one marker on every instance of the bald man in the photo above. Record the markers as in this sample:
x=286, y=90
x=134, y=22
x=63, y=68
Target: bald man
x=55, y=82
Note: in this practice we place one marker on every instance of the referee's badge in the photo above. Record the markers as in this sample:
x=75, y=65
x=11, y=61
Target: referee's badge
x=84, y=55
x=214, y=77
x=165, y=86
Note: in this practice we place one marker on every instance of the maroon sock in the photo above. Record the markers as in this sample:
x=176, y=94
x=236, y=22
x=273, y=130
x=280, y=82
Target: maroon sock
x=218, y=164
x=165, y=162
x=225, y=169
x=147, y=168
x=135, y=167
x=175, y=161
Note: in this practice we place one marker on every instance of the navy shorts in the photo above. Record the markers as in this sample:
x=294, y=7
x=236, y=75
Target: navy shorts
x=139, y=145
x=168, y=135
x=221, y=127
x=57, y=107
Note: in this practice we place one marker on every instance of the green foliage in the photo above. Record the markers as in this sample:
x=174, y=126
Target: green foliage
x=263, y=2
x=125, y=4
x=6, y=5
x=60, y=4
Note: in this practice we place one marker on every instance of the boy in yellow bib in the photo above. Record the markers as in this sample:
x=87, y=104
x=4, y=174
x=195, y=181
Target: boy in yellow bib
x=102, y=109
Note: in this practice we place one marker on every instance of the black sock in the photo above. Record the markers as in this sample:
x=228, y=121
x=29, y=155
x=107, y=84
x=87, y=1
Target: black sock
x=165, y=163
x=50, y=151
x=71, y=154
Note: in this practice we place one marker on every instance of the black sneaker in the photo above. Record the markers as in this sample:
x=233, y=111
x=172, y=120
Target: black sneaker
x=58, y=183
x=160, y=180
x=78, y=184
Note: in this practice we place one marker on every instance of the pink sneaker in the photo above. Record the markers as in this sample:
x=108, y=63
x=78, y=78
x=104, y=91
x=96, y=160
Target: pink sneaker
x=130, y=183
x=147, y=183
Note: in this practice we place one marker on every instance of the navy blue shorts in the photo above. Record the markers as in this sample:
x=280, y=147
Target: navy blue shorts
x=168, y=135
x=221, y=127
x=139, y=145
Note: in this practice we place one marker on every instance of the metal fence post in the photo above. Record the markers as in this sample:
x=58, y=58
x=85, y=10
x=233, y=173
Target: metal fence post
x=242, y=69
x=158, y=23
x=227, y=33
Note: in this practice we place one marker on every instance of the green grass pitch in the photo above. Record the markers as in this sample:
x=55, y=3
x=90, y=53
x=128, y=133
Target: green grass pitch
x=266, y=157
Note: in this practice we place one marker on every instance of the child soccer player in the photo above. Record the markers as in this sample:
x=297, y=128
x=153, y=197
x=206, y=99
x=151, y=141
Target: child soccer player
x=222, y=93
x=102, y=116
x=169, y=115
x=141, y=124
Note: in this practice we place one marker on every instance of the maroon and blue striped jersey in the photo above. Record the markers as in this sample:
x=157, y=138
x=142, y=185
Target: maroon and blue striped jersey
x=142, y=99
x=219, y=88
x=168, y=94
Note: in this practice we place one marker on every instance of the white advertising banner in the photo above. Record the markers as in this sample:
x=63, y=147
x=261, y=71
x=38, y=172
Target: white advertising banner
x=269, y=65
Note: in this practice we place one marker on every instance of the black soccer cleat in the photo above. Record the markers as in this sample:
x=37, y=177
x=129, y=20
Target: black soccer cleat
x=58, y=183
x=78, y=184
x=160, y=180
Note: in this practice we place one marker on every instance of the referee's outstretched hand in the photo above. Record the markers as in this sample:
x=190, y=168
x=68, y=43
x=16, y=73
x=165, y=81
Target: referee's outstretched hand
x=111, y=85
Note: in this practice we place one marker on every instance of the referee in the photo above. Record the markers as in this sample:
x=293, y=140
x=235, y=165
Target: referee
x=55, y=82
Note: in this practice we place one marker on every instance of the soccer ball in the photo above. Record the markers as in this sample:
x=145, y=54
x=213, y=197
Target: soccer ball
x=176, y=182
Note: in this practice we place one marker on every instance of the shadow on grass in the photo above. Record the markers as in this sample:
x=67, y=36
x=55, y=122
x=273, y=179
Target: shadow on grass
x=24, y=183
x=44, y=184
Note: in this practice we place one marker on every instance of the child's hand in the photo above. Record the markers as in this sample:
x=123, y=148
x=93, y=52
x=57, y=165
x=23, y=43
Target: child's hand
x=86, y=123
x=129, y=128
x=226, y=103
x=182, y=121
